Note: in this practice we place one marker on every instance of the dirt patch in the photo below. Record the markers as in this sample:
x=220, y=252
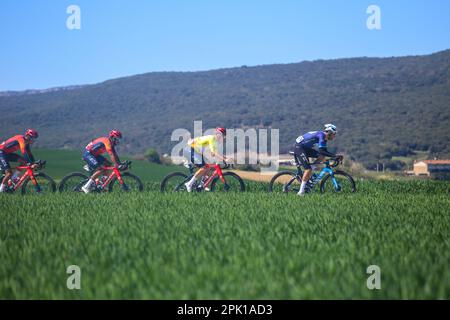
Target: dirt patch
x=257, y=176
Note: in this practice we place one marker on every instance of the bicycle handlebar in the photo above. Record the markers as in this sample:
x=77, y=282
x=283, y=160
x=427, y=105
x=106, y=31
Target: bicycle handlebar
x=124, y=166
x=336, y=162
x=224, y=166
x=40, y=164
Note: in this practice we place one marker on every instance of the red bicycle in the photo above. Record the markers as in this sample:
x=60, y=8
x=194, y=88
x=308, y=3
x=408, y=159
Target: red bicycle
x=31, y=182
x=117, y=180
x=213, y=180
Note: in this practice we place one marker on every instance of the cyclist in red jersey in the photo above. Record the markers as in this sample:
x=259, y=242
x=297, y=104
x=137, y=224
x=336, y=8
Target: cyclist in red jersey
x=93, y=156
x=8, y=148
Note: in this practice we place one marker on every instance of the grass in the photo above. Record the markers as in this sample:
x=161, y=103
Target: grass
x=229, y=246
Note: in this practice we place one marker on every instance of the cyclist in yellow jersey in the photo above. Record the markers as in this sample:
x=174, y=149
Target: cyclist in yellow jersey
x=195, y=149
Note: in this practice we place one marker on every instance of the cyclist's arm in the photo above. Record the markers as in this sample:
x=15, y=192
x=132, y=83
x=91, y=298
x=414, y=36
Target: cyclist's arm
x=112, y=153
x=26, y=151
x=114, y=157
x=219, y=156
x=323, y=151
x=323, y=147
x=214, y=153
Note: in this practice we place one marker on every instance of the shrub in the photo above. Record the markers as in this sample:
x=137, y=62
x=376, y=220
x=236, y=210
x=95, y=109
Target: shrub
x=152, y=156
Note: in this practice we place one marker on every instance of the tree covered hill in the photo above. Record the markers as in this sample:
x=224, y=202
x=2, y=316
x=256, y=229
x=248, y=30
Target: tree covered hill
x=384, y=107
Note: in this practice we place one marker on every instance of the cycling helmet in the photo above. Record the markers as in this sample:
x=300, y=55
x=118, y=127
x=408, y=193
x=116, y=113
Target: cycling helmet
x=115, y=134
x=221, y=130
x=330, y=128
x=31, y=133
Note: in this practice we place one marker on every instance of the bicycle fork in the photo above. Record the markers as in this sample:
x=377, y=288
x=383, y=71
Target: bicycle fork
x=37, y=187
x=324, y=171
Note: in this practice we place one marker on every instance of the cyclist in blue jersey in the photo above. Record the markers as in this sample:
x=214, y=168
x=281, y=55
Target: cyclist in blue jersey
x=304, y=149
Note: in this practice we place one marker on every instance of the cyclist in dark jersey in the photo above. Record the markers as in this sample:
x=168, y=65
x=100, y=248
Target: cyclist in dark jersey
x=304, y=149
x=8, y=148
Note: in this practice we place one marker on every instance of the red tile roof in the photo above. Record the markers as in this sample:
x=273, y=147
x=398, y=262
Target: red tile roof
x=436, y=161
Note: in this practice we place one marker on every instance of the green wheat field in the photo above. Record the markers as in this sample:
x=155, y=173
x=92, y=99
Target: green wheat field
x=252, y=245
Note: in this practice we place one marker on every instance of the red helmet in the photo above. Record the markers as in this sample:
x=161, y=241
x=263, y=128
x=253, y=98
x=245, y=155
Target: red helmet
x=223, y=131
x=31, y=133
x=115, y=134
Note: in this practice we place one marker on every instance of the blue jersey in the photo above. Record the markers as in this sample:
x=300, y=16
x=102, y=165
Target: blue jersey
x=310, y=139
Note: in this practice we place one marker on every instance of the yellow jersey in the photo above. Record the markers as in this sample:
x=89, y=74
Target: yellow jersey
x=200, y=143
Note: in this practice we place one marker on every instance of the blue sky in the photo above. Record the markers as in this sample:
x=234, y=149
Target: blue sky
x=120, y=38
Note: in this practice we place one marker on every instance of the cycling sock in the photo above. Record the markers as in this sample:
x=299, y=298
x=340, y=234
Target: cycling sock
x=302, y=187
x=89, y=183
x=191, y=182
x=2, y=187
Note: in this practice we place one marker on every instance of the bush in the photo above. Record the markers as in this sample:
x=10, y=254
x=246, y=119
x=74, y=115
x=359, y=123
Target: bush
x=394, y=165
x=152, y=156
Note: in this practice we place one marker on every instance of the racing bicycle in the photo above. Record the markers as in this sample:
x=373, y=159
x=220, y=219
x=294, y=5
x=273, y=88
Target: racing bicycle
x=31, y=182
x=213, y=180
x=117, y=180
x=329, y=180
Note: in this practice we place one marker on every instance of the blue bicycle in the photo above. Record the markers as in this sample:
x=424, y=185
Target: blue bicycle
x=330, y=180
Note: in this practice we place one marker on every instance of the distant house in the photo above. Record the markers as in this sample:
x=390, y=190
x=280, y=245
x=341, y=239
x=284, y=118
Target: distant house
x=432, y=168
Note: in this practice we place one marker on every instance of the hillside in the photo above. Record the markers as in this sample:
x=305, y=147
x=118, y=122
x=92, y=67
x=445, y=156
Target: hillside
x=384, y=107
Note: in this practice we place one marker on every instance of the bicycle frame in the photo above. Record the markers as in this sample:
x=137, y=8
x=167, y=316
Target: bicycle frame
x=217, y=172
x=115, y=172
x=28, y=173
x=326, y=170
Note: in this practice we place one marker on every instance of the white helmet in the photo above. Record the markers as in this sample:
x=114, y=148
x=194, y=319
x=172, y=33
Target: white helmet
x=330, y=128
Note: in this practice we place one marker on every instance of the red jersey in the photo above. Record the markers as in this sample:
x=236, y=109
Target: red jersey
x=101, y=145
x=17, y=143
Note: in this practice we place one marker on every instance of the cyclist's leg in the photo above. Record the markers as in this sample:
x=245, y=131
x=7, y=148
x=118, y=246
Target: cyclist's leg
x=302, y=157
x=200, y=164
x=104, y=163
x=93, y=163
x=6, y=168
x=311, y=153
x=14, y=157
x=198, y=161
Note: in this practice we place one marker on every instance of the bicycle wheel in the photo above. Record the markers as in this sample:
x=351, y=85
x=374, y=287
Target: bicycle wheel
x=233, y=183
x=174, y=182
x=131, y=183
x=73, y=182
x=342, y=183
x=45, y=184
x=285, y=182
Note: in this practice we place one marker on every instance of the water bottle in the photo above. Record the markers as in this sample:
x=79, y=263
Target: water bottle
x=201, y=183
x=99, y=182
x=15, y=178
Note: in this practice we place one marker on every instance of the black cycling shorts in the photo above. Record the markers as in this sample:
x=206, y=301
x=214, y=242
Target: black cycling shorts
x=301, y=155
x=6, y=158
